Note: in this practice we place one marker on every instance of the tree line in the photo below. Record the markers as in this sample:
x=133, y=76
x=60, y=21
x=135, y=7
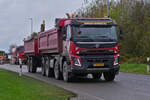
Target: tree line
x=134, y=17
x=2, y=53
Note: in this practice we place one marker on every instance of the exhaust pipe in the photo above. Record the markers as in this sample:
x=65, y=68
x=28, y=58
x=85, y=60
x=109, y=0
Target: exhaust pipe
x=43, y=26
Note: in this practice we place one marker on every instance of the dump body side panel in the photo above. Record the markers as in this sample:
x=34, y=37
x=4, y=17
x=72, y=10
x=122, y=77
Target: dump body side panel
x=31, y=47
x=50, y=42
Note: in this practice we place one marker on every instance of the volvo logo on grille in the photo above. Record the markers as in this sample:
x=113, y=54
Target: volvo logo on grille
x=97, y=45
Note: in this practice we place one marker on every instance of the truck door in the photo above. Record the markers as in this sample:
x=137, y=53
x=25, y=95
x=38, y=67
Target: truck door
x=68, y=37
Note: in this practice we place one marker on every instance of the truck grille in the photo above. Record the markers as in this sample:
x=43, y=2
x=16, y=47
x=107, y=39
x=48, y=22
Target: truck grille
x=90, y=61
x=96, y=60
x=96, y=52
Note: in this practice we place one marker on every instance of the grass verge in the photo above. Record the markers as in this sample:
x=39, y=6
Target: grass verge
x=134, y=68
x=13, y=87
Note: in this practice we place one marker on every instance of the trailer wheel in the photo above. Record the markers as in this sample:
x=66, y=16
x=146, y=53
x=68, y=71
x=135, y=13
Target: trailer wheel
x=49, y=71
x=28, y=65
x=109, y=76
x=66, y=76
x=43, y=67
x=57, y=73
x=97, y=75
x=32, y=66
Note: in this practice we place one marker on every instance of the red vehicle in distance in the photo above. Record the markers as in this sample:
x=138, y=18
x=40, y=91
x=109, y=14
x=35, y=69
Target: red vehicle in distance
x=18, y=52
x=2, y=59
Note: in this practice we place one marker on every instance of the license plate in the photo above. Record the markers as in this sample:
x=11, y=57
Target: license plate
x=100, y=64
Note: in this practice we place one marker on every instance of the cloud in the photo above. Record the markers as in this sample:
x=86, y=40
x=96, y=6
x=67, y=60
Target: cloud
x=14, y=14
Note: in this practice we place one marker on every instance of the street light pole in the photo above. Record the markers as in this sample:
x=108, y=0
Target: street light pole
x=107, y=8
x=31, y=24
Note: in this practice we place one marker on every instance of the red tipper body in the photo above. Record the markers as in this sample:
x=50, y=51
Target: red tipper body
x=50, y=41
x=31, y=46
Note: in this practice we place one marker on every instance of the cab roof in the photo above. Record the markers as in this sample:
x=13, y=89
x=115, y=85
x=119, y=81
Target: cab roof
x=107, y=21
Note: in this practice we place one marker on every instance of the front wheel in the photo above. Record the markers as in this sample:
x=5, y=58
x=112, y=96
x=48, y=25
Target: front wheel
x=97, y=75
x=66, y=76
x=109, y=76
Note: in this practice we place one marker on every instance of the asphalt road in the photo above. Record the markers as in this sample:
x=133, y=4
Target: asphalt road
x=125, y=87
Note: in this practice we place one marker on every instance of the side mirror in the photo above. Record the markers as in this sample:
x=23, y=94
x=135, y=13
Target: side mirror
x=64, y=33
x=64, y=37
x=71, y=39
x=63, y=30
x=121, y=33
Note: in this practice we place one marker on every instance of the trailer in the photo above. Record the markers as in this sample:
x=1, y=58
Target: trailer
x=76, y=47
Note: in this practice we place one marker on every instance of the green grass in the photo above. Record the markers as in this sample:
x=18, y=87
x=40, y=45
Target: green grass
x=13, y=87
x=134, y=68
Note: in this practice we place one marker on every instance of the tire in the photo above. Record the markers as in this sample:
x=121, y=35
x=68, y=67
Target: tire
x=109, y=76
x=43, y=67
x=49, y=71
x=57, y=73
x=32, y=66
x=66, y=76
x=97, y=75
x=28, y=65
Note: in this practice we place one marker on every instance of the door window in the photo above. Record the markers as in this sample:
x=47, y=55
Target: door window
x=68, y=32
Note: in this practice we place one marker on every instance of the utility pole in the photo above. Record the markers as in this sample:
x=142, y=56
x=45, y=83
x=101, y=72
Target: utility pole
x=107, y=8
x=31, y=24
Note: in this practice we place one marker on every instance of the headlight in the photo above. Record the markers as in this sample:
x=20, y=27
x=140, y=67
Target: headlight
x=111, y=51
x=116, y=61
x=76, y=61
x=78, y=53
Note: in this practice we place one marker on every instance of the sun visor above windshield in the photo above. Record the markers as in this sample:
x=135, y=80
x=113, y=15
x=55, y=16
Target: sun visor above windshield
x=94, y=22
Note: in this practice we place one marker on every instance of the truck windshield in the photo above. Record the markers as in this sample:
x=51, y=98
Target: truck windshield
x=21, y=49
x=95, y=33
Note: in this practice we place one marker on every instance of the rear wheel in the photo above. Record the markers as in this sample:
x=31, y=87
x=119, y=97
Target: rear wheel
x=109, y=76
x=49, y=71
x=43, y=66
x=32, y=66
x=66, y=76
x=57, y=73
x=28, y=65
x=97, y=75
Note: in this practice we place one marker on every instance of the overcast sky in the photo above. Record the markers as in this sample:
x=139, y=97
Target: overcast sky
x=14, y=14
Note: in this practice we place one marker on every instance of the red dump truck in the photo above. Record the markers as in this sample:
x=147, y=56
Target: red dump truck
x=16, y=53
x=76, y=47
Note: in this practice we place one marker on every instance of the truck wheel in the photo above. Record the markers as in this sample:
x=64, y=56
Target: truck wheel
x=49, y=71
x=57, y=71
x=32, y=66
x=109, y=76
x=43, y=67
x=97, y=75
x=66, y=76
x=28, y=65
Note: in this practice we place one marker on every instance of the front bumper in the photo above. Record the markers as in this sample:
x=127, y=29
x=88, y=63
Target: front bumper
x=88, y=62
x=78, y=70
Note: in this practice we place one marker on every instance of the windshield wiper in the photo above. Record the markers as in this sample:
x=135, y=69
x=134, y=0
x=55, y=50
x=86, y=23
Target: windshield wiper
x=85, y=38
x=102, y=36
x=105, y=37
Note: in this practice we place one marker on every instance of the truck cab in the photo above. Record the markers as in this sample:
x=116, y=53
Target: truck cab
x=20, y=53
x=91, y=47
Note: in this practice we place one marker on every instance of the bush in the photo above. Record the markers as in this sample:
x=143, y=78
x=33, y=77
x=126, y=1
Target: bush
x=132, y=60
